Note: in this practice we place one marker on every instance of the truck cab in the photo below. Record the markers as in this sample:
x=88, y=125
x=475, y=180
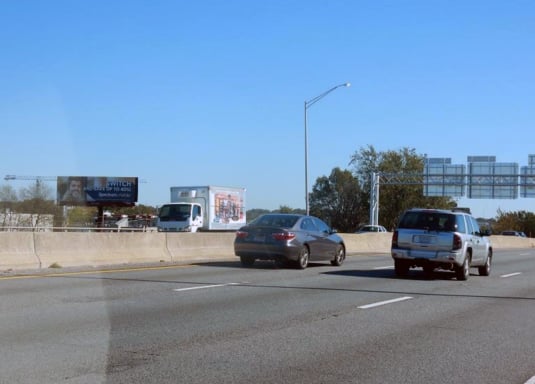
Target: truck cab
x=180, y=217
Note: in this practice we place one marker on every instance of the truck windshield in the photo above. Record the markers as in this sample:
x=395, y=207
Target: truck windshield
x=175, y=212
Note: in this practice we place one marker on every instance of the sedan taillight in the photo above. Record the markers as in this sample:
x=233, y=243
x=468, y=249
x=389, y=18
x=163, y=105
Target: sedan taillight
x=283, y=236
x=241, y=234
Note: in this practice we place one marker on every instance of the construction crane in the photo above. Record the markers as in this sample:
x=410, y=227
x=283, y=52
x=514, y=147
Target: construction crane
x=39, y=178
x=44, y=178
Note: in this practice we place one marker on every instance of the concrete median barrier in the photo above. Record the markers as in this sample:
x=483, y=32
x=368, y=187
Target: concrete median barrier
x=200, y=246
x=17, y=251
x=499, y=241
x=367, y=242
x=36, y=250
x=92, y=249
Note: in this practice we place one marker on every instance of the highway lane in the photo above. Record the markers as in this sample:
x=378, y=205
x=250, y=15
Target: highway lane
x=220, y=323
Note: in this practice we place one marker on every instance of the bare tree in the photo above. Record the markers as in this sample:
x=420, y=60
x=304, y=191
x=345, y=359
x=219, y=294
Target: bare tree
x=8, y=199
x=37, y=201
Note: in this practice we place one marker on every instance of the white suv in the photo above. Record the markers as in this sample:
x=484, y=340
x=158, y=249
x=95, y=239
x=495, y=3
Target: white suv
x=440, y=239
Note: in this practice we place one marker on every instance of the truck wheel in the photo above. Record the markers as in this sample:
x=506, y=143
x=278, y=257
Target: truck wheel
x=339, y=257
x=246, y=261
x=485, y=270
x=462, y=272
x=401, y=268
x=302, y=260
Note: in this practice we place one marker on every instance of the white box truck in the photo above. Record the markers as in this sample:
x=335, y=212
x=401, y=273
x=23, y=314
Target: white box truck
x=204, y=208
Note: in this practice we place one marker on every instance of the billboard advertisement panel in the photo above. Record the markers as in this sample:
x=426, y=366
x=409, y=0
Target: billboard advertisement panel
x=96, y=190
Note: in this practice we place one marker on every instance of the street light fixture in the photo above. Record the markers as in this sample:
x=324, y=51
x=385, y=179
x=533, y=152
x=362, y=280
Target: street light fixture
x=308, y=104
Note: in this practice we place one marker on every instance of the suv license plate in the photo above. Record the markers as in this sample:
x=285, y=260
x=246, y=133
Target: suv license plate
x=424, y=239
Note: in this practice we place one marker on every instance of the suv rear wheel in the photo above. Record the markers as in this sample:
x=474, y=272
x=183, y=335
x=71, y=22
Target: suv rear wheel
x=485, y=270
x=462, y=272
x=401, y=268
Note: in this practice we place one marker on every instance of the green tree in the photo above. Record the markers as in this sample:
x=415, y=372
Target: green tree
x=80, y=217
x=284, y=209
x=394, y=199
x=337, y=200
x=287, y=209
x=254, y=213
x=138, y=209
x=521, y=221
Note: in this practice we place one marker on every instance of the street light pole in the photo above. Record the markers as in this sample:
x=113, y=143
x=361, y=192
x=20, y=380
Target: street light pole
x=308, y=104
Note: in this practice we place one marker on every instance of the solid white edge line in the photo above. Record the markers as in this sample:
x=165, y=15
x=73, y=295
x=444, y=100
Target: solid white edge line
x=203, y=287
x=512, y=274
x=385, y=302
x=530, y=381
x=389, y=267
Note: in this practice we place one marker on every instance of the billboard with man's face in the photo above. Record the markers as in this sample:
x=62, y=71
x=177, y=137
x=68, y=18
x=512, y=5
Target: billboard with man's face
x=93, y=190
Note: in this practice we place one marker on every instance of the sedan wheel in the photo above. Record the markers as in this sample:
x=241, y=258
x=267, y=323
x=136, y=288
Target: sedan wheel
x=302, y=261
x=246, y=261
x=339, y=257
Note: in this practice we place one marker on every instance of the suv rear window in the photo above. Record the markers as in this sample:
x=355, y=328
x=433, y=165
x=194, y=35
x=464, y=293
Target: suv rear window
x=431, y=221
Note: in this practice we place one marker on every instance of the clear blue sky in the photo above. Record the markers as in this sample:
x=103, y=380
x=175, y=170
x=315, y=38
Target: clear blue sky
x=212, y=92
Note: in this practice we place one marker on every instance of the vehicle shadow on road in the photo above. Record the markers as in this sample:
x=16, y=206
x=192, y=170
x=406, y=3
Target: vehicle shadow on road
x=259, y=264
x=390, y=274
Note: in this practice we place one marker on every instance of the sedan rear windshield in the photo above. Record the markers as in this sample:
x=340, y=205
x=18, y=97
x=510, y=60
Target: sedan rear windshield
x=432, y=221
x=286, y=221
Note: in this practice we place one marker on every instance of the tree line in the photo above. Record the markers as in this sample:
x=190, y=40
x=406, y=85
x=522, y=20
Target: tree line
x=342, y=199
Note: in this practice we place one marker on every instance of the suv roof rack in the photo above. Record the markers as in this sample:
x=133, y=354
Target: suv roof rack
x=461, y=209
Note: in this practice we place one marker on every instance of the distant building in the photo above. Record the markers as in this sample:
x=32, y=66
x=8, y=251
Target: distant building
x=11, y=221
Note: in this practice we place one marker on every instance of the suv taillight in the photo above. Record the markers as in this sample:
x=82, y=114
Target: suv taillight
x=457, y=242
x=395, y=239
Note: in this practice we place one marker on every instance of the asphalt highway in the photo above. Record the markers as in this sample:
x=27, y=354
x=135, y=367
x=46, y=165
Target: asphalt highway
x=221, y=323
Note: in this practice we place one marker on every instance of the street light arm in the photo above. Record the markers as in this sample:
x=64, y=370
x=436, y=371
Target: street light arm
x=314, y=100
x=308, y=104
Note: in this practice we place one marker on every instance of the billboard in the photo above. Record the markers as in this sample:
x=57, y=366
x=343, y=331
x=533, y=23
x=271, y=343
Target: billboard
x=97, y=190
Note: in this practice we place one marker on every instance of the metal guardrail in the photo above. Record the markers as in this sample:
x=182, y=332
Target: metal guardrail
x=76, y=229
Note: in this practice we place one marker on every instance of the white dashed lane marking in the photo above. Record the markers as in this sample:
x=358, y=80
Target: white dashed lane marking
x=379, y=303
x=512, y=274
x=205, y=287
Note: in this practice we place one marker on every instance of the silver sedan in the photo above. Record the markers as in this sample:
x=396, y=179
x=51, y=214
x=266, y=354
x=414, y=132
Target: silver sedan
x=288, y=239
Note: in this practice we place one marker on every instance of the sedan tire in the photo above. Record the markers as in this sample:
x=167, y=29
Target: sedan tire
x=302, y=260
x=339, y=257
x=246, y=261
